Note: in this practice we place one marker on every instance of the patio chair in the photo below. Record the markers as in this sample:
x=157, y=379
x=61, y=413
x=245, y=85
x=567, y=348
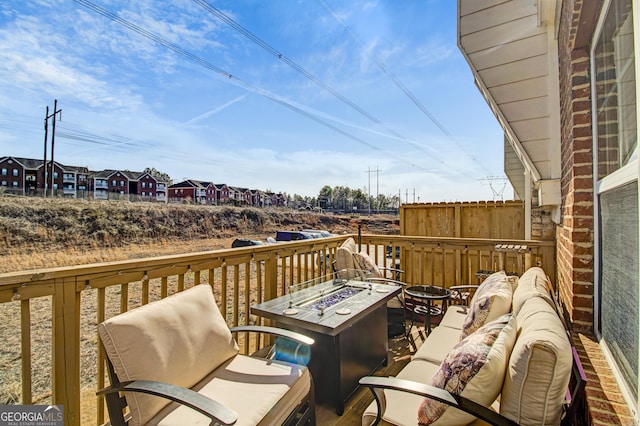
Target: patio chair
x=175, y=362
x=350, y=263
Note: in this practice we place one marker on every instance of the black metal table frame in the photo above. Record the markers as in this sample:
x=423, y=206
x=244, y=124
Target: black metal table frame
x=347, y=347
x=426, y=294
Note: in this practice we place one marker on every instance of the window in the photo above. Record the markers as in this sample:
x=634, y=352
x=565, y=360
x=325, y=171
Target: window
x=4, y=183
x=150, y=184
x=144, y=193
x=616, y=189
x=15, y=184
x=121, y=183
x=616, y=90
x=144, y=184
x=55, y=175
x=114, y=183
x=15, y=172
x=4, y=172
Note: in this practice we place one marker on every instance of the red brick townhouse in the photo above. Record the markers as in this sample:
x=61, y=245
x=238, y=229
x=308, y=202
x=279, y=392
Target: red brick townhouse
x=127, y=185
x=256, y=198
x=560, y=77
x=222, y=193
x=242, y=196
x=192, y=191
x=26, y=176
x=272, y=199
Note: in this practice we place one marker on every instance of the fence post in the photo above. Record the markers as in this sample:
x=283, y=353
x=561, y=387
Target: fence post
x=66, y=349
x=270, y=287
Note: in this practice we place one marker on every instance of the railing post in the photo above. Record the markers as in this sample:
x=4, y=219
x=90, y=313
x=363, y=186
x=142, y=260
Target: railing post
x=66, y=349
x=271, y=277
x=270, y=287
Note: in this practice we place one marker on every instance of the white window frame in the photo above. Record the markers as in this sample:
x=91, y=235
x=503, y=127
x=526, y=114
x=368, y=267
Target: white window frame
x=627, y=173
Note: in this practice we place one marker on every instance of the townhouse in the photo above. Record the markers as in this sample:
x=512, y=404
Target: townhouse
x=27, y=176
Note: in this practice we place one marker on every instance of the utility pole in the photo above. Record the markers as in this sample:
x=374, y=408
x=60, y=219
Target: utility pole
x=53, y=115
x=369, y=190
x=369, y=171
x=377, y=191
x=44, y=163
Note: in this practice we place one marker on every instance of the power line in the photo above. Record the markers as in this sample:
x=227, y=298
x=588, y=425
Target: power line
x=273, y=51
x=388, y=72
x=282, y=57
x=399, y=83
x=232, y=78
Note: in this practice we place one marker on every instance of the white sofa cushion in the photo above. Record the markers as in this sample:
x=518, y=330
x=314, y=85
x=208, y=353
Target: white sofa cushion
x=539, y=367
x=177, y=340
x=438, y=344
x=474, y=368
x=534, y=282
x=491, y=300
x=454, y=317
x=402, y=406
x=261, y=391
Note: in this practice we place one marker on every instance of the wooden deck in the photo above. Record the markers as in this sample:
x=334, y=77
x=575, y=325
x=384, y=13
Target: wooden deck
x=399, y=356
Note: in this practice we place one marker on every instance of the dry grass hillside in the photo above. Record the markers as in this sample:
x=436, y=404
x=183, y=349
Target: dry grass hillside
x=40, y=233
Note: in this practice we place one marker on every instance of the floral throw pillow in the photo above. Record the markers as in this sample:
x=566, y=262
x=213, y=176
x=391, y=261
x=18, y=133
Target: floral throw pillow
x=475, y=368
x=366, y=264
x=491, y=300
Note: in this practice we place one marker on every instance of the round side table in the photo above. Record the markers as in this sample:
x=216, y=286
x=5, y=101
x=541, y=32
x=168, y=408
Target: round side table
x=426, y=294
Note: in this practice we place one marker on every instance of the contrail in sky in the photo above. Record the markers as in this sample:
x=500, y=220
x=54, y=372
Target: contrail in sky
x=216, y=110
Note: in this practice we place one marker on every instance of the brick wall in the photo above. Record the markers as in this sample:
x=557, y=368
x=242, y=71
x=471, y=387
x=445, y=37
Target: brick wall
x=575, y=232
x=574, y=235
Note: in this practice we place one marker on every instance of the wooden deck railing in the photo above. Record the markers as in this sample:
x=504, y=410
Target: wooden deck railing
x=50, y=351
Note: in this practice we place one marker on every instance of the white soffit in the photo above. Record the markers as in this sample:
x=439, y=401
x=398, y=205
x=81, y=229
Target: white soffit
x=506, y=43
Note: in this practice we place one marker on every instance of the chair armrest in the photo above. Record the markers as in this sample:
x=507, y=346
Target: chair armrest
x=464, y=287
x=215, y=411
x=394, y=270
x=378, y=384
x=297, y=337
x=383, y=280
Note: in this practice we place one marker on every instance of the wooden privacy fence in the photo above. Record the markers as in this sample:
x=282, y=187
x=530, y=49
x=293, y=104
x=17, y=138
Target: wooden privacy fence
x=50, y=350
x=489, y=219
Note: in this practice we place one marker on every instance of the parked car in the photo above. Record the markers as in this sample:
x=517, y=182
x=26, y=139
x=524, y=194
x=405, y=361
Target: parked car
x=292, y=235
x=318, y=233
x=245, y=242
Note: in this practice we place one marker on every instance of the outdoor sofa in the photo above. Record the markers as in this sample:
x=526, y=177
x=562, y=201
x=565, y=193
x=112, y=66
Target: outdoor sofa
x=506, y=359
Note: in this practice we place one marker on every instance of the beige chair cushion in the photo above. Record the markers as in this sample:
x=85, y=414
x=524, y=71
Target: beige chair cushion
x=262, y=392
x=539, y=368
x=438, y=344
x=345, y=264
x=491, y=300
x=534, y=282
x=474, y=368
x=402, y=406
x=350, y=244
x=177, y=340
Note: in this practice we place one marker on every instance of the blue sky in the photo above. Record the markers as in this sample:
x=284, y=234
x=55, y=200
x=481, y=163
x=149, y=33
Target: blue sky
x=282, y=95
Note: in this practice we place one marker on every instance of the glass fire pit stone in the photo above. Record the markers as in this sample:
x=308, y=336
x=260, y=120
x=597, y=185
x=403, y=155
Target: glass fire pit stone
x=333, y=298
x=327, y=291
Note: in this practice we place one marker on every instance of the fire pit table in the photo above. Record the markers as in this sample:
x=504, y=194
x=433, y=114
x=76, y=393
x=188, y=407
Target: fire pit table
x=348, y=320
